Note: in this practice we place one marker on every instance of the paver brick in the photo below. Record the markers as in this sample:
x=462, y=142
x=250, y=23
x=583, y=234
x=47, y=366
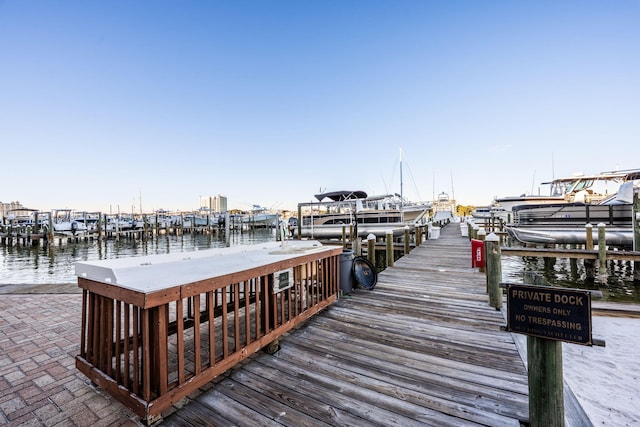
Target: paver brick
x=39, y=383
x=15, y=376
x=25, y=420
x=47, y=411
x=84, y=418
x=12, y=405
x=22, y=412
x=28, y=365
x=62, y=398
x=97, y=402
x=29, y=391
x=43, y=380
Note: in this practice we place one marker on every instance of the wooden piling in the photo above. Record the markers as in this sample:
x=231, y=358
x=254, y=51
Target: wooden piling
x=227, y=229
x=482, y=234
x=636, y=234
x=371, y=248
x=602, y=250
x=494, y=270
x=299, y=222
x=407, y=241
x=589, y=265
x=344, y=236
x=573, y=263
x=389, y=242
x=50, y=230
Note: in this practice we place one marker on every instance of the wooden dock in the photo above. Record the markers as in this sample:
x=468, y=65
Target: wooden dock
x=423, y=348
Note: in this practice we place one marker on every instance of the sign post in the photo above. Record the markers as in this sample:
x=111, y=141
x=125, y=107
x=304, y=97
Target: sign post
x=549, y=316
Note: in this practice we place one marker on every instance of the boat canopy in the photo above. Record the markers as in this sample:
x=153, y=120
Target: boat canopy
x=338, y=196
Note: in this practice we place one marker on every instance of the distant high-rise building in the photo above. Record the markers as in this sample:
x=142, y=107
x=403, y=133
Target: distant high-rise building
x=217, y=203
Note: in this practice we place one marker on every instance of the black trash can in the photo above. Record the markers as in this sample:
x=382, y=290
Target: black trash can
x=346, y=276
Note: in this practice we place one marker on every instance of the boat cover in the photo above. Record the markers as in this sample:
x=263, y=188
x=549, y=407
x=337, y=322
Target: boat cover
x=338, y=196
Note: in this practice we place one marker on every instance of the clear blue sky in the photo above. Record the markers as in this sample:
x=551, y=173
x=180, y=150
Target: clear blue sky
x=268, y=102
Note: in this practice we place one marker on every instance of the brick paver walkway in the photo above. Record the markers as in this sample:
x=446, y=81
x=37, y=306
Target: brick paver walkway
x=39, y=383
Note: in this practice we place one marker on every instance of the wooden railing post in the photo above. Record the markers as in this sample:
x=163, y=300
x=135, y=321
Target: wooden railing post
x=494, y=270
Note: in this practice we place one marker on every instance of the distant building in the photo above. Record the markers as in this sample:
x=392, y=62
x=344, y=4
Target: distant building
x=6, y=207
x=216, y=203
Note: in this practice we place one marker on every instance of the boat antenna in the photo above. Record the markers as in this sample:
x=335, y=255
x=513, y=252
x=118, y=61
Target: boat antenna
x=533, y=181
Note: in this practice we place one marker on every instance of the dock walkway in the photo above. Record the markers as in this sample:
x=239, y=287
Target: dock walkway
x=423, y=348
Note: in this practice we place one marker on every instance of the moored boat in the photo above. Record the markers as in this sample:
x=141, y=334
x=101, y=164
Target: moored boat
x=482, y=213
x=261, y=217
x=579, y=187
x=64, y=222
x=565, y=223
x=375, y=215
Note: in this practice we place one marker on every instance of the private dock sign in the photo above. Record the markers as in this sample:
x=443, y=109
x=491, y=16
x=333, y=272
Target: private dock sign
x=548, y=312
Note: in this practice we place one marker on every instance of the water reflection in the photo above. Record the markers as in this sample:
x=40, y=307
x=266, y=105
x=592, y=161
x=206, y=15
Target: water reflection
x=55, y=264
x=617, y=286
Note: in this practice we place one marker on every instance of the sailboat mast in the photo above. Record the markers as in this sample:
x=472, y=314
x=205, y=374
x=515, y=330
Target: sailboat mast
x=453, y=193
x=401, y=183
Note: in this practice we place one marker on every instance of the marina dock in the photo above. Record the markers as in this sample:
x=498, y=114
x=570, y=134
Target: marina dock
x=148, y=228
x=422, y=348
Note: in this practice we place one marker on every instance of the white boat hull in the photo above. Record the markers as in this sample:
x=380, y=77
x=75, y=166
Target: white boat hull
x=334, y=231
x=622, y=237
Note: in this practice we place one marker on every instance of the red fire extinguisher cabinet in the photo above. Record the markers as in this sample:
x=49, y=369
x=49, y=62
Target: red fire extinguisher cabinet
x=477, y=253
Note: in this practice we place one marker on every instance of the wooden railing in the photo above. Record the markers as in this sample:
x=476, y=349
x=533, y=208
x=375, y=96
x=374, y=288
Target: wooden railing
x=150, y=349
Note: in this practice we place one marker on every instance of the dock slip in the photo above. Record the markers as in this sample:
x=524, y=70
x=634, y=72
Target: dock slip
x=423, y=348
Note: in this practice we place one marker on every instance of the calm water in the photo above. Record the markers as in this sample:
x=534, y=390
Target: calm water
x=617, y=286
x=55, y=264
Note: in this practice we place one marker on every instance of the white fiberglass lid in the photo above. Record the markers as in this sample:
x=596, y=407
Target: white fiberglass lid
x=155, y=272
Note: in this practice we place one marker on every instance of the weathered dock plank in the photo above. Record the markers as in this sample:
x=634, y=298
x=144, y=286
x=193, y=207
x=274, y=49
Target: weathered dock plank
x=423, y=348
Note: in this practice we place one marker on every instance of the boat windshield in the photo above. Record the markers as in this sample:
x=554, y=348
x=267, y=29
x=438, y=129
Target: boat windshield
x=561, y=187
x=582, y=185
x=603, y=186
